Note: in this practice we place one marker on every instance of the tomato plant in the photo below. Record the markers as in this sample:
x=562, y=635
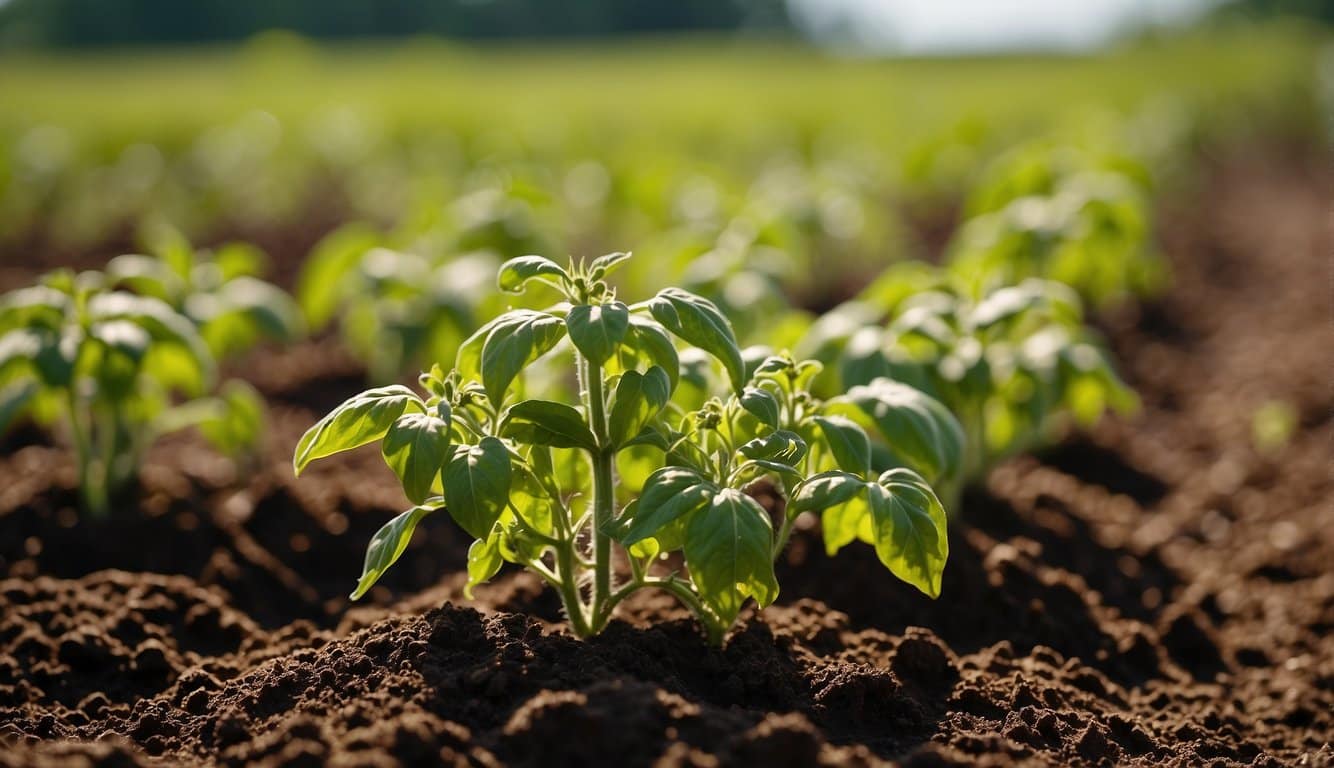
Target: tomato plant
x=412, y=295
x=535, y=481
x=104, y=364
x=220, y=291
x=1012, y=364
x=1061, y=214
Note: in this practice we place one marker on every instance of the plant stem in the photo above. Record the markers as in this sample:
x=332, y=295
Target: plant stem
x=91, y=491
x=108, y=435
x=976, y=458
x=713, y=630
x=603, y=494
x=569, y=588
x=784, y=533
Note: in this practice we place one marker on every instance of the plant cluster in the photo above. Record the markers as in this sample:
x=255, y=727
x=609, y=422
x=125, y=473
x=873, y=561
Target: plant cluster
x=535, y=480
x=107, y=365
x=411, y=295
x=219, y=291
x=1013, y=364
x=1061, y=214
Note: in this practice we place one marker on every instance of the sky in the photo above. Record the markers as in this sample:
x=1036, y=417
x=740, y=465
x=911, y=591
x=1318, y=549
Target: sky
x=947, y=26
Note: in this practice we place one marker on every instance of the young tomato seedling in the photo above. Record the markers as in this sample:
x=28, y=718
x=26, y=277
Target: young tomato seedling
x=104, y=363
x=1061, y=214
x=395, y=308
x=1012, y=364
x=536, y=481
x=219, y=291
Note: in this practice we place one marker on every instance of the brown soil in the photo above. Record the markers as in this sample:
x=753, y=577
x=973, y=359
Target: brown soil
x=1156, y=592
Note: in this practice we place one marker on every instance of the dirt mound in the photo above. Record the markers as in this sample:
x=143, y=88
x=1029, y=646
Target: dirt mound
x=460, y=686
x=277, y=546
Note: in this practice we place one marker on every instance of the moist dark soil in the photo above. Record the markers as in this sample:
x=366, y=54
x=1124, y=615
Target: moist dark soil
x=1157, y=591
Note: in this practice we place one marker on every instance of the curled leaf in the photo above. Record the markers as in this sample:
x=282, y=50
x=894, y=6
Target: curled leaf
x=387, y=546
x=516, y=272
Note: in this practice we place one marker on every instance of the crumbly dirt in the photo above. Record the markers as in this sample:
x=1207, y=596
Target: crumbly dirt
x=1155, y=592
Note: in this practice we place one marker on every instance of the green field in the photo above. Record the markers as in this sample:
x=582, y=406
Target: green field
x=281, y=116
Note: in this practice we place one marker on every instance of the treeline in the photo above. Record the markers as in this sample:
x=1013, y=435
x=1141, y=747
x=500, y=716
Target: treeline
x=1322, y=10
x=96, y=23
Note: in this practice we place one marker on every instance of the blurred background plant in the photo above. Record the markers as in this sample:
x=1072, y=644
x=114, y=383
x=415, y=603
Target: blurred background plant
x=113, y=371
x=219, y=291
x=1015, y=364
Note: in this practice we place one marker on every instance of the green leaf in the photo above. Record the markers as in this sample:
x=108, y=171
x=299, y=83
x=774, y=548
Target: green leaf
x=697, y=321
x=122, y=336
x=780, y=445
x=416, y=447
x=361, y=419
x=239, y=423
x=484, y=561
x=672, y=536
x=848, y=442
x=14, y=400
x=544, y=468
x=863, y=358
x=321, y=285
x=597, y=331
x=919, y=430
x=845, y=523
x=778, y=467
x=543, y=422
x=645, y=550
x=535, y=510
x=272, y=311
x=238, y=259
x=174, y=368
x=156, y=317
x=1003, y=305
x=638, y=398
x=773, y=367
x=57, y=355
x=909, y=528
x=386, y=546
x=728, y=549
x=1089, y=385
x=18, y=348
x=824, y=491
x=669, y=493
x=762, y=404
x=650, y=437
x=924, y=325
x=433, y=381
x=521, y=337
x=468, y=361
x=652, y=341
x=516, y=272
x=603, y=265
x=169, y=243
x=192, y=413
x=36, y=306
x=144, y=275
x=477, y=485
